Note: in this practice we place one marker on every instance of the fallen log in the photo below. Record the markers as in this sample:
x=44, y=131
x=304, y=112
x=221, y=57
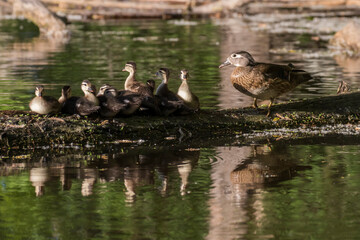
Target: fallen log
x=330, y=115
x=49, y=24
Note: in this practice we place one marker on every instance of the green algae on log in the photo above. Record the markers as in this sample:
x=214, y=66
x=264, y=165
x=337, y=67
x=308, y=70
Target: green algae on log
x=21, y=129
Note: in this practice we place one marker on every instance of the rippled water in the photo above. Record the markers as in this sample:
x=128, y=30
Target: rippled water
x=99, y=50
x=272, y=191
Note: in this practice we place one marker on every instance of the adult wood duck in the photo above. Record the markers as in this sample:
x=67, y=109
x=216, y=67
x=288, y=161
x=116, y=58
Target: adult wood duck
x=263, y=80
x=166, y=94
x=68, y=102
x=119, y=102
x=43, y=104
x=190, y=99
x=89, y=103
x=132, y=84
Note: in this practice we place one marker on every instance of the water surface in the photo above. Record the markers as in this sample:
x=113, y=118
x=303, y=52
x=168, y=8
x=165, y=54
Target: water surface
x=272, y=191
x=99, y=50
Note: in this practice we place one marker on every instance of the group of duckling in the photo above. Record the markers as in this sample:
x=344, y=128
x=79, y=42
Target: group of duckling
x=110, y=102
x=264, y=81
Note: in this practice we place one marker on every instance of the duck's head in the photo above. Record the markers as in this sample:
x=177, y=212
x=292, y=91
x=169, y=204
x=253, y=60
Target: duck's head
x=110, y=92
x=102, y=89
x=66, y=91
x=239, y=59
x=163, y=74
x=39, y=90
x=87, y=87
x=151, y=84
x=130, y=67
x=184, y=74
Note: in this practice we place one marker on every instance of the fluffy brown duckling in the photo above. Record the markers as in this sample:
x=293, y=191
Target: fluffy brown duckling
x=344, y=87
x=190, y=99
x=132, y=84
x=123, y=103
x=263, y=80
x=68, y=102
x=166, y=94
x=43, y=104
x=89, y=103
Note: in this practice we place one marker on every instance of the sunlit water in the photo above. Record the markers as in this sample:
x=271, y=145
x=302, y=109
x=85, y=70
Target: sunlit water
x=99, y=50
x=273, y=191
x=281, y=190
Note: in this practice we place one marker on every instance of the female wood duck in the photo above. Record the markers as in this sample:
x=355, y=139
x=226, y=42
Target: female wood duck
x=190, y=99
x=68, y=103
x=263, y=80
x=89, y=103
x=132, y=84
x=167, y=95
x=115, y=102
x=43, y=104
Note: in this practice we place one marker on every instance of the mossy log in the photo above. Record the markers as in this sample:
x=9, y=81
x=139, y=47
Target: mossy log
x=21, y=129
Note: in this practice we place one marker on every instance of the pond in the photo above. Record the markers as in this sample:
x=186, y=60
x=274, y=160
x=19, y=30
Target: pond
x=281, y=190
x=99, y=50
x=284, y=189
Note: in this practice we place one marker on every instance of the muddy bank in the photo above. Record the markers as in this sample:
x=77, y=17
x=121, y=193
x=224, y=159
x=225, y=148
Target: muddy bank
x=322, y=116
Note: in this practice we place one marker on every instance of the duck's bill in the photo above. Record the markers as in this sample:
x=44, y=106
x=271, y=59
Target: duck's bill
x=224, y=64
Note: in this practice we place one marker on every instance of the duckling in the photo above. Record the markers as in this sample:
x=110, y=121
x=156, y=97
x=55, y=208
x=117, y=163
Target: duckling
x=190, y=99
x=89, y=103
x=110, y=106
x=263, y=80
x=344, y=87
x=102, y=90
x=68, y=103
x=163, y=90
x=165, y=107
x=165, y=94
x=43, y=104
x=132, y=84
x=122, y=102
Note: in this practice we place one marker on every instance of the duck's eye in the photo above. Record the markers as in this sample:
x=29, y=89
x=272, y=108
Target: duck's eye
x=234, y=55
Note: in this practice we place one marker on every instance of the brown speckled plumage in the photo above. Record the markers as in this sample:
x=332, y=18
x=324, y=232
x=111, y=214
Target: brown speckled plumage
x=263, y=80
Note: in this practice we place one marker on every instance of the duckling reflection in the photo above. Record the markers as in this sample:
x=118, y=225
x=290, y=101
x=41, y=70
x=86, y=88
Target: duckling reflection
x=89, y=176
x=38, y=178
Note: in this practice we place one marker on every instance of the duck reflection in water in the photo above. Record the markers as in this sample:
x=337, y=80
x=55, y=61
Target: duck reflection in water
x=38, y=177
x=239, y=177
x=136, y=168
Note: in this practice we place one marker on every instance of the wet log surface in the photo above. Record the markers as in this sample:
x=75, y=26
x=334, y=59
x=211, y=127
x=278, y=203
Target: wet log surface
x=321, y=116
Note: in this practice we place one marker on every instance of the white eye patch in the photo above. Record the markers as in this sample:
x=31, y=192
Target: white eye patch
x=234, y=55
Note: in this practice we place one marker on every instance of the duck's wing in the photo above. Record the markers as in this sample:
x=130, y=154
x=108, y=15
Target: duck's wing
x=85, y=107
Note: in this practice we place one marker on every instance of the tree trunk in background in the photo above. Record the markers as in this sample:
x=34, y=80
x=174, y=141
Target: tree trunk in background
x=49, y=24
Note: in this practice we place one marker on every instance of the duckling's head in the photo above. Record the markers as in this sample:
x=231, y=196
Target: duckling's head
x=130, y=67
x=239, y=59
x=184, y=74
x=102, y=89
x=151, y=84
x=163, y=74
x=39, y=90
x=87, y=87
x=66, y=91
x=110, y=92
